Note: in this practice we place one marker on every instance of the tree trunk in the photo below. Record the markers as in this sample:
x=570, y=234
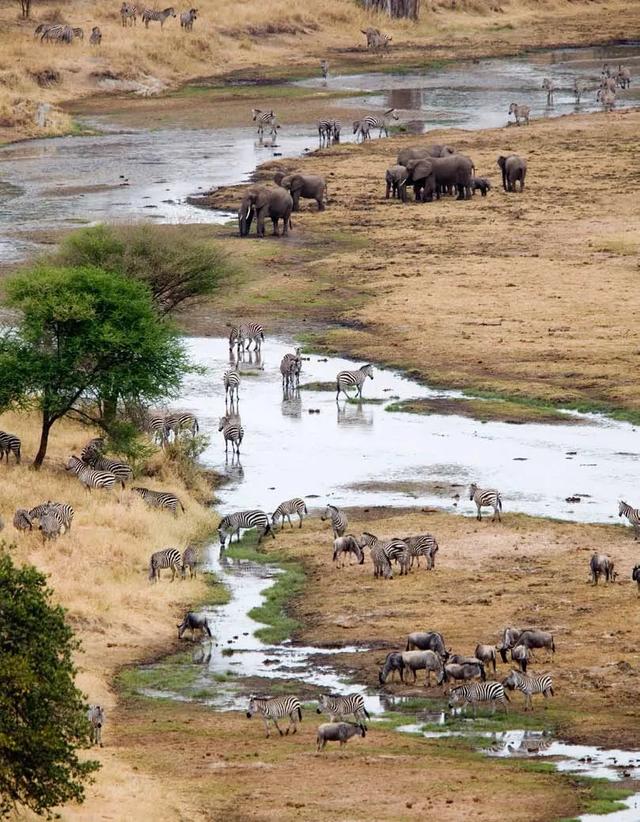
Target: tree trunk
x=26, y=7
x=44, y=442
x=109, y=409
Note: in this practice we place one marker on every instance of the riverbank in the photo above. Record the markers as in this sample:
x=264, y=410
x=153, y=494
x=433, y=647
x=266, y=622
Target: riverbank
x=98, y=572
x=510, y=296
x=274, y=41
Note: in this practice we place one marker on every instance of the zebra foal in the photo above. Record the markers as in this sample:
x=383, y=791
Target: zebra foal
x=245, y=520
x=285, y=509
x=168, y=558
x=271, y=709
x=529, y=684
x=347, y=379
x=492, y=692
x=486, y=498
x=337, y=707
x=91, y=477
x=160, y=499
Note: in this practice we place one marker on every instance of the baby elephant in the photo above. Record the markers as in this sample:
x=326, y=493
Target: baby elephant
x=338, y=732
x=95, y=715
x=514, y=169
x=196, y=622
x=481, y=184
x=396, y=178
x=309, y=186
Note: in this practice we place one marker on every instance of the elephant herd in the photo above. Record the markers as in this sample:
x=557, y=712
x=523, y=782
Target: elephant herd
x=431, y=170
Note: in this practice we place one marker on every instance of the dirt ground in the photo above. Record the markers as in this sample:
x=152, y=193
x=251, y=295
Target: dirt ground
x=527, y=295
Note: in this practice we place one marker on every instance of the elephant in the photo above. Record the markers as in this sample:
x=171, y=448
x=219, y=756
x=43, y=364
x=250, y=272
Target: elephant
x=420, y=152
x=263, y=202
x=430, y=175
x=309, y=186
x=513, y=168
x=481, y=184
x=396, y=177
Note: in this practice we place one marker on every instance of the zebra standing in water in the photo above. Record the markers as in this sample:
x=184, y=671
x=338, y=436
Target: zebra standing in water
x=337, y=707
x=9, y=443
x=346, y=379
x=381, y=123
x=632, y=514
x=285, y=509
x=233, y=433
x=264, y=118
x=275, y=708
x=159, y=16
x=549, y=86
x=90, y=477
x=128, y=14
x=290, y=368
x=339, y=520
x=239, y=334
x=231, y=386
x=529, y=684
x=492, y=692
x=361, y=130
x=169, y=558
x=160, y=499
x=486, y=498
x=232, y=523
x=325, y=131
x=324, y=68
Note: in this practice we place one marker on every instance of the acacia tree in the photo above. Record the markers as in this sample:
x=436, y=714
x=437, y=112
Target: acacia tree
x=42, y=714
x=83, y=335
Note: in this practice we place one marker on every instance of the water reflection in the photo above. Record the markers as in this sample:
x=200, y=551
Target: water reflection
x=355, y=414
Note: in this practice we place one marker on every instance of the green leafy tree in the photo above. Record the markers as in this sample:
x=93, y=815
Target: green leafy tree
x=85, y=340
x=43, y=717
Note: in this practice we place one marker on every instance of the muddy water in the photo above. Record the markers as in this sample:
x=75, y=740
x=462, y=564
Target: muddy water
x=143, y=174
x=362, y=455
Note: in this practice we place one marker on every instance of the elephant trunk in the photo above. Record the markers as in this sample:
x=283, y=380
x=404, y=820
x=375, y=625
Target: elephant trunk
x=245, y=218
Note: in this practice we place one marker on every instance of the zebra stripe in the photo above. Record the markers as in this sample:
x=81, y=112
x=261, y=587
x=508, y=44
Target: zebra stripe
x=381, y=564
x=169, y=558
x=239, y=334
x=361, y=130
x=128, y=14
x=337, y=707
x=93, y=448
x=231, y=381
x=423, y=545
x=122, y=472
x=159, y=16
x=9, y=443
x=181, y=421
x=62, y=512
x=57, y=33
x=275, y=708
x=624, y=510
x=347, y=379
x=529, y=684
x=233, y=523
x=338, y=519
x=285, y=509
x=187, y=18
x=290, y=368
x=397, y=550
x=381, y=123
x=486, y=498
x=160, y=499
x=90, y=477
x=472, y=694
x=264, y=118
x=233, y=433
x=156, y=428
x=190, y=561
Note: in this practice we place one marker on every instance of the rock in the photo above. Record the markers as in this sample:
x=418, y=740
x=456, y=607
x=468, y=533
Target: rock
x=573, y=499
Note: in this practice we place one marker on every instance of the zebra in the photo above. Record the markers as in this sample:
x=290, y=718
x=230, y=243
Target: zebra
x=623, y=76
x=275, y=708
x=346, y=379
x=22, y=520
x=607, y=98
x=424, y=545
x=157, y=429
x=492, y=692
x=62, y=512
x=337, y=707
x=632, y=514
x=285, y=509
x=264, y=118
x=181, y=421
x=90, y=477
x=128, y=14
x=160, y=16
x=9, y=443
x=187, y=18
x=381, y=564
x=325, y=131
x=49, y=525
x=381, y=123
x=231, y=381
x=339, y=520
x=520, y=113
x=254, y=332
x=160, y=499
x=232, y=523
x=78, y=32
x=549, y=86
x=395, y=550
x=190, y=561
x=580, y=87
x=92, y=449
x=529, y=684
x=58, y=33
x=122, y=472
x=486, y=498
x=361, y=130
x=324, y=68
x=336, y=128
x=233, y=433
x=96, y=36
x=290, y=367
x=168, y=558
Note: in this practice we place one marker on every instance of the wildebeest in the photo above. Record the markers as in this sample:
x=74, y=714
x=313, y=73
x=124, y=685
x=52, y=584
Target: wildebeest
x=338, y=732
x=635, y=576
x=392, y=663
x=50, y=526
x=520, y=655
x=95, y=715
x=196, y=622
x=22, y=520
x=601, y=565
x=537, y=639
x=426, y=641
x=510, y=637
x=347, y=545
x=461, y=671
x=487, y=655
x=427, y=661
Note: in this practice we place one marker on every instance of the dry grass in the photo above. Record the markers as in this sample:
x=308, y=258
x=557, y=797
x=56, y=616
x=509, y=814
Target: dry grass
x=278, y=36
x=98, y=572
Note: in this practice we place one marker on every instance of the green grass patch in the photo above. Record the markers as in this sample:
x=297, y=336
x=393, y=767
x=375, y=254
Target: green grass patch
x=365, y=401
x=217, y=592
x=176, y=674
x=318, y=386
x=603, y=796
x=484, y=410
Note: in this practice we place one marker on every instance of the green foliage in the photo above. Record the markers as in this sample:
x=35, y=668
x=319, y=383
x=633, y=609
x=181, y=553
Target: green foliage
x=42, y=714
x=85, y=338
x=175, y=267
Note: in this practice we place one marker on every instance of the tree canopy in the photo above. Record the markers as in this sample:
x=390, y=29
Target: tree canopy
x=42, y=714
x=85, y=339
